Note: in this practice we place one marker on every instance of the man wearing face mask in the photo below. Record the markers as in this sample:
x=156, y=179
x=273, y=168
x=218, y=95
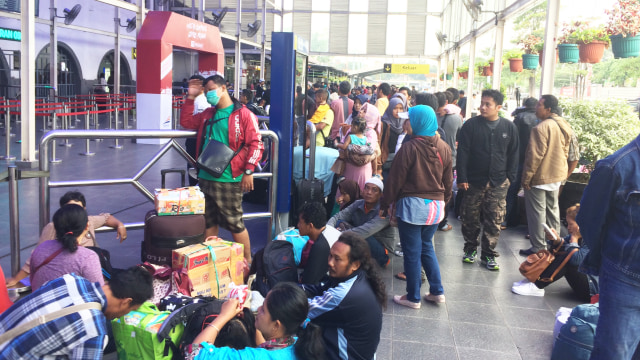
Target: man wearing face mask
x=231, y=123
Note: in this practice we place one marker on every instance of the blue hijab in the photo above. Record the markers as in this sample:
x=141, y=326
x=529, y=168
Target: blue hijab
x=423, y=120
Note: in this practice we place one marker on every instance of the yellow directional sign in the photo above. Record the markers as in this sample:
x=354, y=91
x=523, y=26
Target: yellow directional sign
x=134, y=53
x=406, y=68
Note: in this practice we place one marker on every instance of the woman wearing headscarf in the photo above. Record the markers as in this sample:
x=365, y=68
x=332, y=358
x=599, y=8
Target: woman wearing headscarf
x=348, y=193
x=420, y=185
x=391, y=129
x=358, y=102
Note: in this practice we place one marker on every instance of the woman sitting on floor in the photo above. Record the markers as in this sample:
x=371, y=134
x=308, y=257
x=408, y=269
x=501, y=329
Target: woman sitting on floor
x=281, y=318
x=54, y=258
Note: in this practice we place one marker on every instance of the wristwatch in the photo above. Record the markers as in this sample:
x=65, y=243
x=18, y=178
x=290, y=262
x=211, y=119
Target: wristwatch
x=248, y=172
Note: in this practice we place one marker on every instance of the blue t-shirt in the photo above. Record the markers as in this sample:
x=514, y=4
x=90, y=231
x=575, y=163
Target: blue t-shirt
x=210, y=352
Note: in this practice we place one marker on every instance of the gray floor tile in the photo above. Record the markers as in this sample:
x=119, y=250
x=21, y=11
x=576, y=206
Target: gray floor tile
x=384, y=350
x=533, y=343
x=475, y=313
x=417, y=351
x=387, y=328
x=469, y=293
x=425, y=331
x=533, y=319
x=477, y=354
x=505, y=297
x=485, y=337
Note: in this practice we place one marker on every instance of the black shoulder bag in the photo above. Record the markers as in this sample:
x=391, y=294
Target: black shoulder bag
x=216, y=156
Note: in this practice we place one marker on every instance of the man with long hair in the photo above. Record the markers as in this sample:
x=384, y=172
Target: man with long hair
x=348, y=306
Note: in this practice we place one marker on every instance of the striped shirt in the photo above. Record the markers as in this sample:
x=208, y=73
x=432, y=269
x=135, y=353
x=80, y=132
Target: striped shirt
x=76, y=336
x=419, y=211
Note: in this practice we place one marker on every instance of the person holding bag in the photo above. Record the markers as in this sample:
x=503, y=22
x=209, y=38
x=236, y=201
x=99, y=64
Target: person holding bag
x=229, y=147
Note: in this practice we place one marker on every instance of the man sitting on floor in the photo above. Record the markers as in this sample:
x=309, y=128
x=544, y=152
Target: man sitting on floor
x=349, y=305
x=80, y=334
x=312, y=222
x=362, y=218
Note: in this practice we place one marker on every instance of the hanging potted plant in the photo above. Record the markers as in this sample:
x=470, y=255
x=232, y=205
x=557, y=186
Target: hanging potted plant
x=530, y=45
x=591, y=43
x=623, y=28
x=480, y=65
x=514, y=57
x=463, y=71
x=567, y=48
x=449, y=77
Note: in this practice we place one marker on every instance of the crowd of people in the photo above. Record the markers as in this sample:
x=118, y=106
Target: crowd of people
x=404, y=160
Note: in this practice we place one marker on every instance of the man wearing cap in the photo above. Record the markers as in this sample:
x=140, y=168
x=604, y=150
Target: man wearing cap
x=362, y=218
x=259, y=91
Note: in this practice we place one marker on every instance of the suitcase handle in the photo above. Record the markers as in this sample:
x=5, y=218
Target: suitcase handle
x=164, y=172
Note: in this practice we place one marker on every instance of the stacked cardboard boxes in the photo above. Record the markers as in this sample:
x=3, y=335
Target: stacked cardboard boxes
x=181, y=201
x=211, y=266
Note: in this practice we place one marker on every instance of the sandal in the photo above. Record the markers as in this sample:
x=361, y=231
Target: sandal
x=446, y=228
x=401, y=276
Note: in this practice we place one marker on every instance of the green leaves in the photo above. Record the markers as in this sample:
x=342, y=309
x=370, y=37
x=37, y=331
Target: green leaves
x=602, y=127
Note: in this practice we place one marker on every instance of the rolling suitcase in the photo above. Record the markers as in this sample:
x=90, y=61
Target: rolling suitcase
x=162, y=234
x=307, y=189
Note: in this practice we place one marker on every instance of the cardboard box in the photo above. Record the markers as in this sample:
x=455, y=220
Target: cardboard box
x=181, y=201
x=218, y=289
x=199, y=255
x=236, y=260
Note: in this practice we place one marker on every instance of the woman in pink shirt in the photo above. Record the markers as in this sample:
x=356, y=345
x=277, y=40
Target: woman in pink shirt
x=54, y=258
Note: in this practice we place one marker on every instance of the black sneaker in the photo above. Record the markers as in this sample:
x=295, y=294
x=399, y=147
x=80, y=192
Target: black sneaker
x=469, y=257
x=490, y=262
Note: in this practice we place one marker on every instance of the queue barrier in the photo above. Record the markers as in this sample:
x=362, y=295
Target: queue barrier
x=46, y=183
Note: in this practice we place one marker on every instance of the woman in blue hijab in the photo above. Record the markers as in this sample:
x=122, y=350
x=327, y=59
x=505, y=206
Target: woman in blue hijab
x=419, y=184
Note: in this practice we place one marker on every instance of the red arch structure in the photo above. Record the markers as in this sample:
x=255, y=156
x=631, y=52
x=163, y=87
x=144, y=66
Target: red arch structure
x=159, y=34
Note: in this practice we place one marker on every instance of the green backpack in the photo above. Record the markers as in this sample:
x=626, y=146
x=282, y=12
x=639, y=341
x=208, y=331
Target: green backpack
x=136, y=335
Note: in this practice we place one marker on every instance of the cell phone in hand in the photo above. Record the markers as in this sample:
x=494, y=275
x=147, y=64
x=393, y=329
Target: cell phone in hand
x=548, y=230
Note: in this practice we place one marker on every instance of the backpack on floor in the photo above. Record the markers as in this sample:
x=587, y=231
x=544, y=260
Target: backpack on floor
x=273, y=264
x=575, y=340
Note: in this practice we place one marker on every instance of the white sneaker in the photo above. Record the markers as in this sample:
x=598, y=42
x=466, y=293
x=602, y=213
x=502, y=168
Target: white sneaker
x=528, y=289
x=521, y=282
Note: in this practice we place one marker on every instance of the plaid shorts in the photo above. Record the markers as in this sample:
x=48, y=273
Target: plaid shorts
x=223, y=204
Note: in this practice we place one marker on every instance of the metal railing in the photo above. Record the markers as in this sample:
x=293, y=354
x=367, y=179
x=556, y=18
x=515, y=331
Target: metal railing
x=49, y=138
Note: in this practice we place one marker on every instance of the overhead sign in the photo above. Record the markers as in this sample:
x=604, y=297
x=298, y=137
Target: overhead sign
x=10, y=34
x=406, y=69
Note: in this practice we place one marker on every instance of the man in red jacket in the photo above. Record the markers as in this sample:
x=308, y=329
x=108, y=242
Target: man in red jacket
x=231, y=123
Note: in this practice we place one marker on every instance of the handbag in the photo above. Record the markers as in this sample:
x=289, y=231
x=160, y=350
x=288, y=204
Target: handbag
x=533, y=266
x=216, y=156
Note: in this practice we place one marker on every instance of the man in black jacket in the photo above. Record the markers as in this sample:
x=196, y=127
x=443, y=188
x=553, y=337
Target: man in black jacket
x=525, y=120
x=487, y=164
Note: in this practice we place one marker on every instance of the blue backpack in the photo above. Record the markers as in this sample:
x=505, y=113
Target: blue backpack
x=575, y=340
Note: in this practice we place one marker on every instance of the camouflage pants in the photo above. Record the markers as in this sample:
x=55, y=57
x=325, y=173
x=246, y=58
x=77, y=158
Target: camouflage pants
x=487, y=205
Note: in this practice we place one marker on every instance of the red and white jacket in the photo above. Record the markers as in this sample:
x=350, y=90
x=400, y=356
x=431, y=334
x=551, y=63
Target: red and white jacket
x=243, y=129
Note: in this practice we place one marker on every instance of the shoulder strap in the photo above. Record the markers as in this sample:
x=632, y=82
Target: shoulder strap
x=564, y=262
x=47, y=260
x=43, y=319
x=444, y=120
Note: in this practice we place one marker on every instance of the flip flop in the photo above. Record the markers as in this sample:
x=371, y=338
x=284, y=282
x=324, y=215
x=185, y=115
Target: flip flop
x=401, y=276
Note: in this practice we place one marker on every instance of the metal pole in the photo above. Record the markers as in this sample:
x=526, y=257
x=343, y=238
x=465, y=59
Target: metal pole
x=54, y=160
x=549, y=53
x=471, y=78
x=7, y=134
x=263, y=53
x=87, y=150
x=238, y=64
x=28, y=80
x=65, y=125
x=14, y=216
x=497, y=57
x=116, y=145
x=53, y=52
x=312, y=150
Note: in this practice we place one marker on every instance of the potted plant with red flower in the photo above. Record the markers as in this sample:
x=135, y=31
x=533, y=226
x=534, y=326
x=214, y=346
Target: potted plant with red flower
x=623, y=28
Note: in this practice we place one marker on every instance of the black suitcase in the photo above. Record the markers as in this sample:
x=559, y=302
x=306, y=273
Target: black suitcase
x=162, y=234
x=307, y=190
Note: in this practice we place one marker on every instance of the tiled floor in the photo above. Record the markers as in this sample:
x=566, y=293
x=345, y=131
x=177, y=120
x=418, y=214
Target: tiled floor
x=481, y=318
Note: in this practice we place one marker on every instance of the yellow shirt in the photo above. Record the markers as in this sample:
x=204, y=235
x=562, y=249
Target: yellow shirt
x=328, y=120
x=382, y=105
x=320, y=113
